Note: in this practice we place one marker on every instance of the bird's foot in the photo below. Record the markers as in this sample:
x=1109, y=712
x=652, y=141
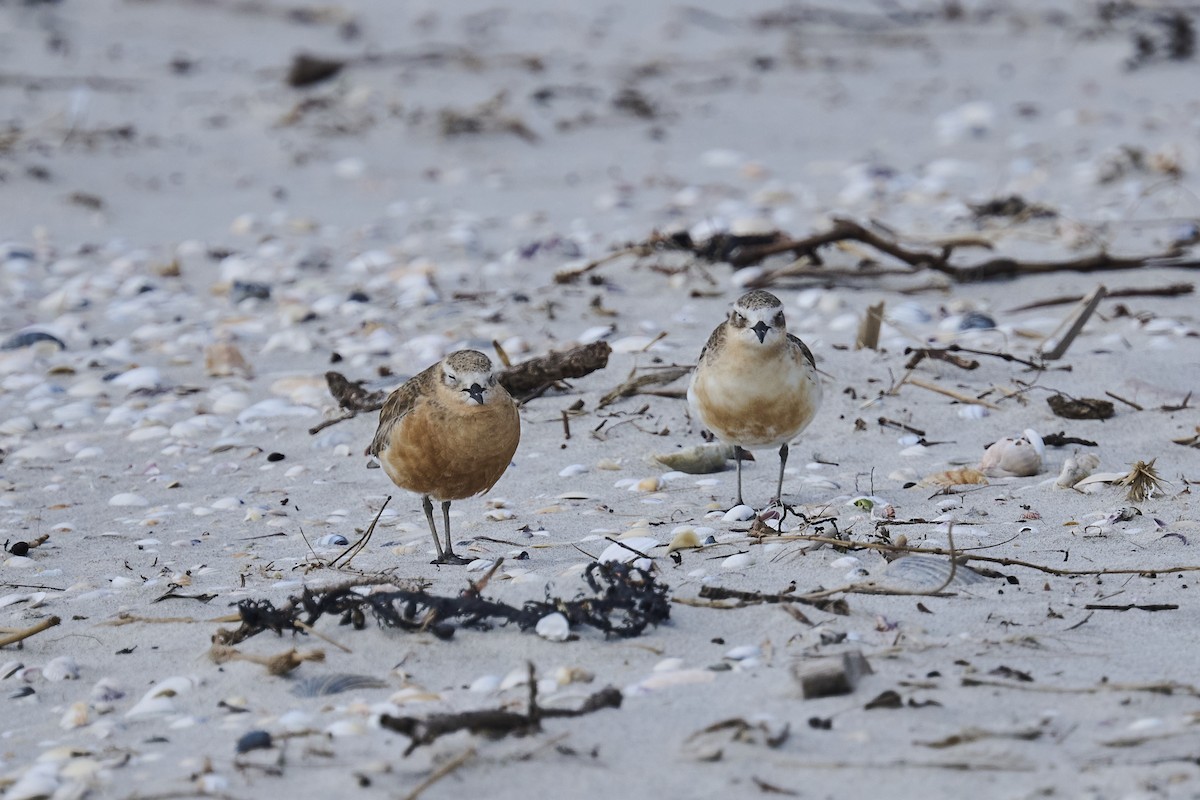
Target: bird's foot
x=451, y=558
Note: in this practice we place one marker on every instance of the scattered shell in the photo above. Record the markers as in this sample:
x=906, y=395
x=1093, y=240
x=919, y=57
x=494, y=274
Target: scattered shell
x=1076, y=468
x=224, y=359
x=651, y=484
x=322, y=685
x=76, y=716
x=62, y=668
x=128, y=499
x=624, y=552
x=683, y=540
x=1011, y=458
x=485, y=684
x=738, y=561
x=699, y=460
x=738, y=514
x=331, y=540
x=554, y=627
x=571, y=470
x=159, y=699
x=253, y=740
x=972, y=411
x=953, y=477
x=30, y=338
x=923, y=571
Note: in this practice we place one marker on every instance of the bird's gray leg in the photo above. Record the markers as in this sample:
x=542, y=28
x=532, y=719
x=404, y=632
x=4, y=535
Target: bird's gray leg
x=737, y=455
x=427, y=504
x=448, y=556
x=783, y=454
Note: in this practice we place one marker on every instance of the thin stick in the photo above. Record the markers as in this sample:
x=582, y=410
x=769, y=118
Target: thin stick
x=445, y=769
x=304, y=626
x=1173, y=290
x=1129, y=403
x=1005, y=562
x=21, y=635
x=1074, y=325
x=358, y=546
x=959, y=396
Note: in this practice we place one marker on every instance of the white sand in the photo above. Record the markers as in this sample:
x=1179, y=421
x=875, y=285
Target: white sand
x=224, y=159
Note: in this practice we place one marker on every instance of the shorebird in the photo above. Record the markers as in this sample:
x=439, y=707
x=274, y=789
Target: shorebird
x=448, y=433
x=756, y=385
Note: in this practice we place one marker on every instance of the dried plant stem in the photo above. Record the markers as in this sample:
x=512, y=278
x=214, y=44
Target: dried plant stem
x=1005, y=562
x=933, y=387
x=358, y=546
x=445, y=769
x=21, y=635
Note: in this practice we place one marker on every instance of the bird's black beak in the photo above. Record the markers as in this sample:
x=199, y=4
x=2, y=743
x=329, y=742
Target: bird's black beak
x=476, y=392
x=761, y=330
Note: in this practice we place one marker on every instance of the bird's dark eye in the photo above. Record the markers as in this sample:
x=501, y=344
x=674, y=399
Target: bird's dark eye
x=451, y=380
x=737, y=319
x=778, y=321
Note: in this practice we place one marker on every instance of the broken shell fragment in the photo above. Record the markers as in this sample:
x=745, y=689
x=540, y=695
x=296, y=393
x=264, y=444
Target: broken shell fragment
x=1011, y=458
x=684, y=539
x=1076, y=468
x=953, y=477
x=699, y=460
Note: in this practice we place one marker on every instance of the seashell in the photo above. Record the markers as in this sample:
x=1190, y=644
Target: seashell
x=743, y=652
x=666, y=680
x=76, y=716
x=253, y=740
x=345, y=727
x=845, y=562
x=571, y=470
x=139, y=378
x=62, y=668
x=923, y=571
x=953, y=477
x=553, y=627
x=128, y=499
x=485, y=684
x=33, y=598
x=10, y=668
x=38, y=782
x=159, y=699
x=651, y=484
x=972, y=411
x=699, y=460
x=739, y=514
x=30, y=338
x=685, y=539
x=1008, y=458
x=1076, y=468
x=565, y=676
x=500, y=514
x=414, y=694
x=224, y=359
x=738, y=561
x=624, y=552
x=1098, y=479
x=331, y=540
x=1035, y=439
x=322, y=685
x=16, y=426
x=595, y=334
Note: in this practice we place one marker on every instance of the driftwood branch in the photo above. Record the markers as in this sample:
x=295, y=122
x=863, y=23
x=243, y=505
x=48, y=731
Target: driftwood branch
x=523, y=381
x=533, y=376
x=639, y=383
x=495, y=722
x=21, y=635
x=744, y=251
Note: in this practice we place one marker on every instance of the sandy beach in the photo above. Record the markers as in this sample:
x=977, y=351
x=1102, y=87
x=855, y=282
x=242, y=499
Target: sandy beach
x=198, y=224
